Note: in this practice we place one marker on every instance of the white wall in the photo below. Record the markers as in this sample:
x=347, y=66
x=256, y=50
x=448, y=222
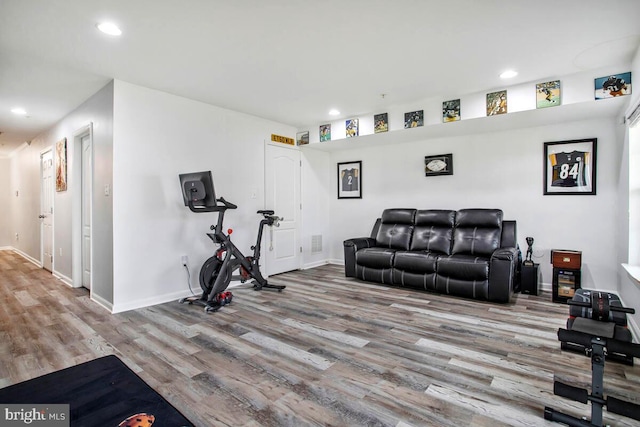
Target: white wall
x=496, y=170
x=316, y=194
x=156, y=137
x=5, y=198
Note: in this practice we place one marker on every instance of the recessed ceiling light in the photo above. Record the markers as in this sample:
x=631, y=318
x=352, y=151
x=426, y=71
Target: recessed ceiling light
x=508, y=74
x=18, y=110
x=334, y=112
x=109, y=28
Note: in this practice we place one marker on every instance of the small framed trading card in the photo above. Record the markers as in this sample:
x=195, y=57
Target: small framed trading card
x=548, y=94
x=451, y=111
x=302, y=138
x=380, y=123
x=351, y=128
x=414, y=119
x=325, y=132
x=613, y=86
x=497, y=103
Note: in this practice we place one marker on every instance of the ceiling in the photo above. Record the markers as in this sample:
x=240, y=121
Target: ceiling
x=293, y=60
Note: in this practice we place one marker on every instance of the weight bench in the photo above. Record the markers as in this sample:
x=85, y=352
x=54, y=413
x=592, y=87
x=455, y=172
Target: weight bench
x=597, y=334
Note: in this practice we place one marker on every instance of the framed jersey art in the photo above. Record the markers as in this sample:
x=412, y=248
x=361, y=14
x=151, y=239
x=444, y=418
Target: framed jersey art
x=570, y=167
x=350, y=180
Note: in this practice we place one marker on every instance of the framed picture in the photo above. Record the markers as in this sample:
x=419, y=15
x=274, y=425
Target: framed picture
x=441, y=164
x=497, y=103
x=414, y=119
x=380, y=123
x=325, y=133
x=351, y=128
x=61, y=165
x=612, y=86
x=451, y=111
x=350, y=180
x=548, y=94
x=570, y=167
x=302, y=138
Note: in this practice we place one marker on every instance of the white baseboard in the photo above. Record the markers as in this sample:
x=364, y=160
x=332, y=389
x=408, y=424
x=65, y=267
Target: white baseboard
x=146, y=302
x=64, y=279
x=102, y=302
x=314, y=264
x=335, y=261
x=6, y=248
x=27, y=257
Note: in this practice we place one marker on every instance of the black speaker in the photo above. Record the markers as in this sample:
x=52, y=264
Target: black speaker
x=530, y=279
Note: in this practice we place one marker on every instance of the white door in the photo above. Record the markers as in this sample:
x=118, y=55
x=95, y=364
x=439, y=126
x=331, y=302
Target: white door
x=283, y=249
x=86, y=211
x=46, y=209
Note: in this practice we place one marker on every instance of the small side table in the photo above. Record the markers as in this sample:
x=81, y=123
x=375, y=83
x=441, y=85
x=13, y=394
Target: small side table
x=530, y=279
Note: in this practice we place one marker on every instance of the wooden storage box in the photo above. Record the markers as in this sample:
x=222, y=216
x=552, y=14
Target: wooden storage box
x=566, y=259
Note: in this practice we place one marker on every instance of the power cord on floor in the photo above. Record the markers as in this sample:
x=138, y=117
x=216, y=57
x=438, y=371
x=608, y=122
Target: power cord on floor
x=186, y=267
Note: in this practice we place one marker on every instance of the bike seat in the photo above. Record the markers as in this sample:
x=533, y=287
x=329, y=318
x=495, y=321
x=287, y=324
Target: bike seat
x=266, y=212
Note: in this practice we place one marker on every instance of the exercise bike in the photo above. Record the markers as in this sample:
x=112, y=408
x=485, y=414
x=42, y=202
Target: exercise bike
x=218, y=271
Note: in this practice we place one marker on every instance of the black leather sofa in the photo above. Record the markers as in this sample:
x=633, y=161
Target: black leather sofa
x=471, y=253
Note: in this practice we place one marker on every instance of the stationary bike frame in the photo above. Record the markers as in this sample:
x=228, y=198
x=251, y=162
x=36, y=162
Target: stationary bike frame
x=220, y=271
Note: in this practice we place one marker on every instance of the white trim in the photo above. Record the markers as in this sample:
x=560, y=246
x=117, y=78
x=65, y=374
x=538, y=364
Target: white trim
x=146, y=302
x=335, y=261
x=633, y=271
x=315, y=264
x=44, y=152
x=101, y=302
x=27, y=257
x=6, y=248
x=64, y=279
x=76, y=205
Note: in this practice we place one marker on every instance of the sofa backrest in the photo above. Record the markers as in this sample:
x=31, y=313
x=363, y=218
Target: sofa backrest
x=477, y=231
x=396, y=228
x=433, y=231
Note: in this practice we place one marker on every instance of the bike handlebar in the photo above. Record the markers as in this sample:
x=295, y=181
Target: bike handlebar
x=225, y=205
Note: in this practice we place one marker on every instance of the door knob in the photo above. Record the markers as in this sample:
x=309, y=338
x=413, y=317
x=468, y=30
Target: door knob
x=41, y=216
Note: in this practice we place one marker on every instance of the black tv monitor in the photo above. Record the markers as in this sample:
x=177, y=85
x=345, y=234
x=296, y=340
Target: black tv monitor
x=198, y=188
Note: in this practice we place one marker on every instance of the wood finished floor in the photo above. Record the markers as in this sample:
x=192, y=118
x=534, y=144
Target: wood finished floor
x=327, y=351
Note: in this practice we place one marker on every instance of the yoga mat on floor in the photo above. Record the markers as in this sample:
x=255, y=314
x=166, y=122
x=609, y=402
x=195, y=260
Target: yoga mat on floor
x=103, y=392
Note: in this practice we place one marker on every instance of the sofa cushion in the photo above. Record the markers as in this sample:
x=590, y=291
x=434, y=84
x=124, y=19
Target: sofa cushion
x=433, y=231
x=477, y=232
x=375, y=257
x=396, y=228
x=417, y=262
x=424, y=281
x=465, y=267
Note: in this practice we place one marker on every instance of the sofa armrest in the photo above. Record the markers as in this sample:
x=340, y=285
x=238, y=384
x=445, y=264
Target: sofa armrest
x=502, y=274
x=351, y=246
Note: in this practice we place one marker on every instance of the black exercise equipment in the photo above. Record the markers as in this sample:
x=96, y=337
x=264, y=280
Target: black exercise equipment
x=595, y=334
x=217, y=271
x=604, y=307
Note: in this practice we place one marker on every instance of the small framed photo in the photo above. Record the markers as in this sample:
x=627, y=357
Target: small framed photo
x=441, y=164
x=350, y=180
x=325, y=132
x=351, y=128
x=497, y=103
x=451, y=111
x=570, y=167
x=302, y=138
x=380, y=123
x=612, y=86
x=414, y=119
x=548, y=94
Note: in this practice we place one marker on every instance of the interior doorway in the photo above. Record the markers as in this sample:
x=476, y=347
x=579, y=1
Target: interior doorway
x=46, y=209
x=82, y=217
x=282, y=194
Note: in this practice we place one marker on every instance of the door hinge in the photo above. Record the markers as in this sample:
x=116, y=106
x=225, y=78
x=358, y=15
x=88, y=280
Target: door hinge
x=300, y=249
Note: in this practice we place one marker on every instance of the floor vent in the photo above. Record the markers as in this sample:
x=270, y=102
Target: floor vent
x=316, y=243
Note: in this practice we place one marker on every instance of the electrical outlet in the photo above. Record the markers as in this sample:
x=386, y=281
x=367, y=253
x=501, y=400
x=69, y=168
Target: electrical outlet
x=185, y=260
x=17, y=237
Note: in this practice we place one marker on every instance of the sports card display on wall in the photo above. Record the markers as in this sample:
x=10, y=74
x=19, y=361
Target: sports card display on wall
x=612, y=86
x=351, y=127
x=548, y=94
x=350, y=180
x=441, y=164
x=302, y=138
x=570, y=167
x=451, y=111
x=497, y=103
x=325, y=132
x=414, y=119
x=380, y=123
